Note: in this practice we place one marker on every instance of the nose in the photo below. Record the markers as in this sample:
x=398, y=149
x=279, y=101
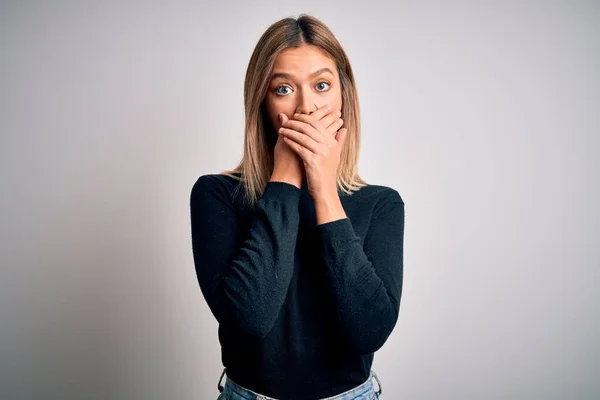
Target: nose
x=306, y=105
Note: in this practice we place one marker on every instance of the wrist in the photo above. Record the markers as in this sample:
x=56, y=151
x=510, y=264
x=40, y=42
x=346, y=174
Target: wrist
x=287, y=177
x=328, y=208
x=326, y=199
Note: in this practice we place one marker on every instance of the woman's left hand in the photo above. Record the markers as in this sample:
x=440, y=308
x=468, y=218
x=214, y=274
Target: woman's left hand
x=318, y=142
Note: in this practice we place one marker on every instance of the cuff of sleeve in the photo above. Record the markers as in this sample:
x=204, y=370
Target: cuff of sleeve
x=340, y=229
x=282, y=191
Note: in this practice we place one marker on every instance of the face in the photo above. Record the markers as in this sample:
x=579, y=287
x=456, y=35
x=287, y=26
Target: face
x=303, y=79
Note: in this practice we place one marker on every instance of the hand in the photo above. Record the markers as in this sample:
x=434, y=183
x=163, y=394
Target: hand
x=317, y=139
x=287, y=164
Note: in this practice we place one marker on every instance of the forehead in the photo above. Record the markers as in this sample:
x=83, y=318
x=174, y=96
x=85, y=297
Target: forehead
x=301, y=61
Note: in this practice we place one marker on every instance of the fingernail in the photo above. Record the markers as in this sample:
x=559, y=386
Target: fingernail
x=280, y=117
x=296, y=115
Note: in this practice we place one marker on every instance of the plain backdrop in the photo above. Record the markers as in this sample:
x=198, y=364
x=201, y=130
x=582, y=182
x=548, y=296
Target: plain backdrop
x=483, y=115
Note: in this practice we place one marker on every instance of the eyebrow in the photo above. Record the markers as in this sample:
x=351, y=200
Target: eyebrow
x=288, y=76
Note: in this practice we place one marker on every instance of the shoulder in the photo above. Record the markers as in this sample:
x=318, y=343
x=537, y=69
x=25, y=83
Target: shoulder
x=381, y=199
x=215, y=180
x=212, y=186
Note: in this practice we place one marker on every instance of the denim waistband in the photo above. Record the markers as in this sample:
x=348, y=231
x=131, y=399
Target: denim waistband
x=251, y=395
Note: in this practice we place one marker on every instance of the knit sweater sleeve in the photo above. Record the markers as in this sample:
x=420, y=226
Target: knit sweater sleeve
x=366, y=279
x=244, y=275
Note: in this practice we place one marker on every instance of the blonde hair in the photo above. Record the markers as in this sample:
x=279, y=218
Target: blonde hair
x=256, y=165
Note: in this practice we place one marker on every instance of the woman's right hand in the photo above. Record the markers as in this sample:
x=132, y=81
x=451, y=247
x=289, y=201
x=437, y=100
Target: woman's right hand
x=288, y=166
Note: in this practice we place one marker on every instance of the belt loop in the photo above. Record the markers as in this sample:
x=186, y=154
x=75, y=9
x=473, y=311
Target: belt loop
x=221, y=378
x=378, y=383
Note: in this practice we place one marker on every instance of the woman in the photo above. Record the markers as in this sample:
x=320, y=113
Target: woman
x=303, y=270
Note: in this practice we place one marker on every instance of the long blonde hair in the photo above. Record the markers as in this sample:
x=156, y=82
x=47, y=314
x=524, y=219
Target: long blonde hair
x=256, y=165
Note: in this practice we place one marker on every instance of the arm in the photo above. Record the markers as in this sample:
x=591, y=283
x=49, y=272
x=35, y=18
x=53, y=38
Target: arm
x=366, y=281
x=244, y=276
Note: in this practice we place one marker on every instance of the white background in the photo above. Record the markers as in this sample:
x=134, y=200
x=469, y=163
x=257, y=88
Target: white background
x=483, y=115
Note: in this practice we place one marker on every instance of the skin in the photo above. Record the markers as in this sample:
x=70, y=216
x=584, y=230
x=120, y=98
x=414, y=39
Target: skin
x=310, y=125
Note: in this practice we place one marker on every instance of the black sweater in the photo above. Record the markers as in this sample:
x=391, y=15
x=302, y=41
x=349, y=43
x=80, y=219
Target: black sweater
x=301, y=307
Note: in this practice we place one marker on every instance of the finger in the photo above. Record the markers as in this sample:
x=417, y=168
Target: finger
x=282, y=119
x=341, y=135
x=301, y=151
x=332, y=120
x=329, y=124
x=300, y=138
x=305, y=128
x=321, y=111
x=335, y=126
x=330, y=117
x=319, y=115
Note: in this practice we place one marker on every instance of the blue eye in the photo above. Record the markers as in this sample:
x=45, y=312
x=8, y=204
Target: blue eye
x=282, y=94
x=327, y=83
x=278, y=87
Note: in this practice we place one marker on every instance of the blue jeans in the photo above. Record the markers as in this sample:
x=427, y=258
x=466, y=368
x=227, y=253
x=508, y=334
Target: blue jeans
x=233, y=391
